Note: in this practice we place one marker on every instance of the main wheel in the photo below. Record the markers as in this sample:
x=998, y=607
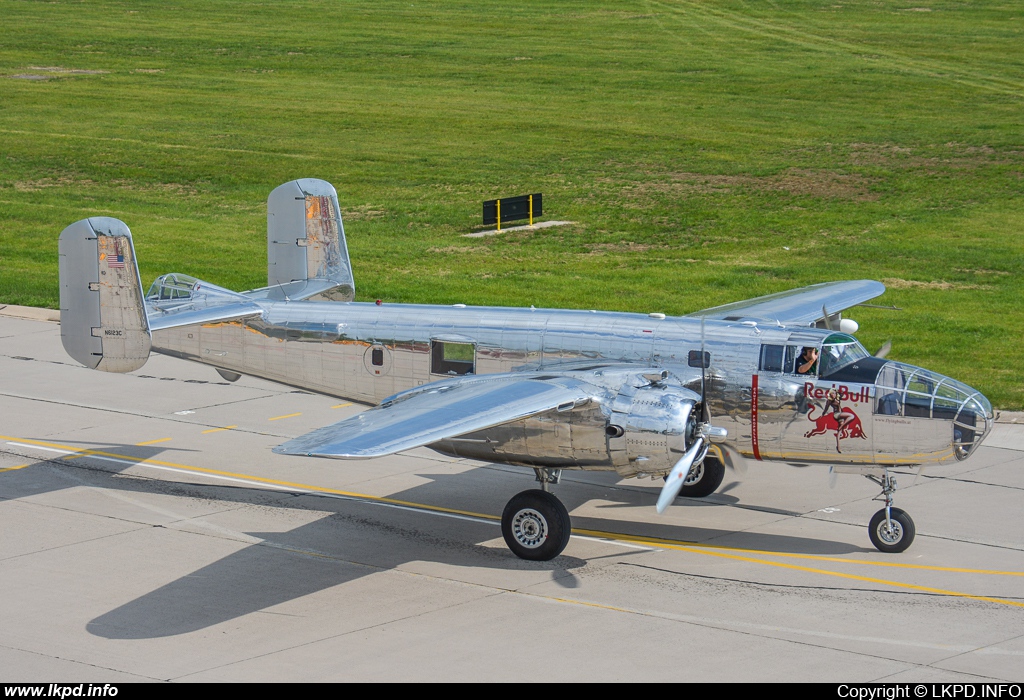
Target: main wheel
x=703, y=479
x=535, y=525
x=893, y=540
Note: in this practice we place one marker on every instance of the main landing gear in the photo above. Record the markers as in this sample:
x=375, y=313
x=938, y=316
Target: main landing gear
x=535, y=524
x=891, y=530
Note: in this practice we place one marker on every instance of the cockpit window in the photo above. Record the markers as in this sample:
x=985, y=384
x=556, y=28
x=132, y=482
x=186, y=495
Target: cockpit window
x=172, y=287
x=840, y=350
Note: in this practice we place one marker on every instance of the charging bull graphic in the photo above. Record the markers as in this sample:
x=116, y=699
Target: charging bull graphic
x=844, y=422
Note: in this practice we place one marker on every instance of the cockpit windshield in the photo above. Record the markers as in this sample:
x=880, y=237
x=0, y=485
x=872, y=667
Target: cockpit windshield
x=839, y=351
x=172, y=287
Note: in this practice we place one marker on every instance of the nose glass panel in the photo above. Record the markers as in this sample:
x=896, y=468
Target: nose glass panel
x=905, y=390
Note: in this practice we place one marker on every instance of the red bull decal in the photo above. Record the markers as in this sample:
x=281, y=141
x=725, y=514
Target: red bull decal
x=835, y=417
x=863, y=394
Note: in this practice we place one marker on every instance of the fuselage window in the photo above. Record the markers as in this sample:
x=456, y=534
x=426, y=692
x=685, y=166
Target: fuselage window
x=694, y=359
x=890, y=404
x=377, y=357
x=771, y=358
x=791, y=365
x=452, y=358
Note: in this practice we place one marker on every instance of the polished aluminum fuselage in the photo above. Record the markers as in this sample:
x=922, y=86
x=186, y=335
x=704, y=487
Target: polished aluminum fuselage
x=368, y=352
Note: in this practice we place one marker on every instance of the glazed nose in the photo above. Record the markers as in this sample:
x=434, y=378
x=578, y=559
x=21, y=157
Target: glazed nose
x=905, y=390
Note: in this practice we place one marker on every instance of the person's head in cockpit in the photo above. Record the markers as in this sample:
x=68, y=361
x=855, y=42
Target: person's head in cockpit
x=807, y=363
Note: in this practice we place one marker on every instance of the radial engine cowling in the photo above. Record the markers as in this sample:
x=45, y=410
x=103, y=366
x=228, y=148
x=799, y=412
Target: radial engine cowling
x=650, y=428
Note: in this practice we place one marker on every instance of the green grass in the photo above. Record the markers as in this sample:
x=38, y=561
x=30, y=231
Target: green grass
x=709, y=151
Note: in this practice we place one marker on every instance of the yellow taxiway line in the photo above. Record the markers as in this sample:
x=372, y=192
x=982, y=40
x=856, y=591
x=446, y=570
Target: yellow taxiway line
x=217, y=430
x=11, y=469
x=151, y=442
x=290, y=415
x=734, y=553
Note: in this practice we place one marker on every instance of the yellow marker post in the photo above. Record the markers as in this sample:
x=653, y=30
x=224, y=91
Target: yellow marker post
x=531, y=210
x=499, y=213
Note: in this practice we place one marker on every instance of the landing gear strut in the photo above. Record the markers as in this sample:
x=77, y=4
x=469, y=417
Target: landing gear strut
x=891, y=530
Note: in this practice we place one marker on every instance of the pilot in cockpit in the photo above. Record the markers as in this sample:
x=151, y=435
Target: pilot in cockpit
x=807, y=363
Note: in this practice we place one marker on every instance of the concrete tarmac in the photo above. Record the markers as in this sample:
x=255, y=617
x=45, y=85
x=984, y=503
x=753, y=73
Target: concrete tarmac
x=148, y=533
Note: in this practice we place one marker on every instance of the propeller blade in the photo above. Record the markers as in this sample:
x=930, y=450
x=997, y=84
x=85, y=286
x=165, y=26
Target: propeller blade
x=884, y=350
x=828, y=321
x=705, y=412
x=674, y=480
x=733, y=459
x=833, y=478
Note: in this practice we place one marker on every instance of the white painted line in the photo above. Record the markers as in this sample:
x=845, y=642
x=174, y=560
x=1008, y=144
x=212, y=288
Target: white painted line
x=616, y=542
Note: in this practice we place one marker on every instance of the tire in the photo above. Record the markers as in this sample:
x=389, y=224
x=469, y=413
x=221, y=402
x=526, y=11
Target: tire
x=891, y=542
x=535, y=525
x=703, y=479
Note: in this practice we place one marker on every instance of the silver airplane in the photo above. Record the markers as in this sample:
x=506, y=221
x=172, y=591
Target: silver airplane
x=778, y=377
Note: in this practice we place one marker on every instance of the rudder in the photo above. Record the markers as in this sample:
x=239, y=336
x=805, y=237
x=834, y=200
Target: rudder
x=307, y=256
x=103, y=322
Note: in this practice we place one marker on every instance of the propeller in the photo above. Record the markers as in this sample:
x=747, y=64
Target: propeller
x=702, y=439
x=732, y=459
x=680, y=471
x=884, y=350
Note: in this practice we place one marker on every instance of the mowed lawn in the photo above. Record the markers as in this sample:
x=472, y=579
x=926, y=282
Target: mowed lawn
x=708, y=151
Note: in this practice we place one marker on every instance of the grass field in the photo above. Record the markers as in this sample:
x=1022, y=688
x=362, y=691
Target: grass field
x=708, y=151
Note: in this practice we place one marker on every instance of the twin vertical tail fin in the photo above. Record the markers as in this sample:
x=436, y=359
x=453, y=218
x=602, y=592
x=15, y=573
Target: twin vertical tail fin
x=103, y=321
x=307, y=257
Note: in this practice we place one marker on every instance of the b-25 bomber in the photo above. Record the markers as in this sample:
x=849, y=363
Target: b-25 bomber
x=779, y=377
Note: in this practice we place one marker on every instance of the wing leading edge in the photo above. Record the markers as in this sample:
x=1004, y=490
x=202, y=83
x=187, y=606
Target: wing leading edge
x=439, y=411
x=800, y=307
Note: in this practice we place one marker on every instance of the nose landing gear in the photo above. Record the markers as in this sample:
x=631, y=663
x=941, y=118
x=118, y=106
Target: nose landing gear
x=891, y=529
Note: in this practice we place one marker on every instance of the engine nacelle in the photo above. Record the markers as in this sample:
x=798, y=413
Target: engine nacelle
x=650, y=428
x=642, y=425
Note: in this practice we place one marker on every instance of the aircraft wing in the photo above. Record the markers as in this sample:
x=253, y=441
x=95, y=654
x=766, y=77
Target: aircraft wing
x=439, y=411
x=800, y=307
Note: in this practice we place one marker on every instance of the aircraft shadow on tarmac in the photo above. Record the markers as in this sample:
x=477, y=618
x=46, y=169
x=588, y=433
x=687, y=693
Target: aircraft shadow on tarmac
x=354, y=539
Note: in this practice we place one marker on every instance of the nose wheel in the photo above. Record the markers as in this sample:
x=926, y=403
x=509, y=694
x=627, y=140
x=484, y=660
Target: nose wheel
x=535, y=525
x=891, y=529
x=891, y=532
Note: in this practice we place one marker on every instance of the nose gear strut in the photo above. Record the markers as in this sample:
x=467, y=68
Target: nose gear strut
x=891, y=529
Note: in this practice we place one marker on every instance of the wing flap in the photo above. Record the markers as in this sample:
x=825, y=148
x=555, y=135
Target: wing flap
x=801, y=306
x=439, y=411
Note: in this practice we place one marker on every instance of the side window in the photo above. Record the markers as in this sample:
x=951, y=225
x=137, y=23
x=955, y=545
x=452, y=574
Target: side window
x=694, y=359
x=792, y=353
x=452, y=358
x=771, y=358
x=377, y=357
x=889, y=404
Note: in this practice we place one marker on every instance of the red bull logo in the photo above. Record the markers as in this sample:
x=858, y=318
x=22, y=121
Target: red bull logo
x=835, y=417
x=863, y=394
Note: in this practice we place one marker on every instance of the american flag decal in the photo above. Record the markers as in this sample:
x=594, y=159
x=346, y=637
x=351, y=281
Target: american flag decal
x=115, y=261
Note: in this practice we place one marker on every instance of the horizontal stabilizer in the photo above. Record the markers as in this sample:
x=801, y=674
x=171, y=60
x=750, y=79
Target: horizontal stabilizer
x=438, y=411
x=799, y=307
x=103, y=320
